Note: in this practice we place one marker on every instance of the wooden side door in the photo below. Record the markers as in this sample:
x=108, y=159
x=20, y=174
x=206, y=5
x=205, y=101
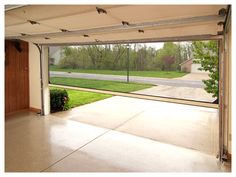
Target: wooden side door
x=16, y=76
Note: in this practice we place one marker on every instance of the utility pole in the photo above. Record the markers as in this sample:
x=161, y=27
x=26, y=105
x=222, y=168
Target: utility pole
x=127, y=64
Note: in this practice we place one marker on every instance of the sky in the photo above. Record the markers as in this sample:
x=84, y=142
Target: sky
x=156, y=45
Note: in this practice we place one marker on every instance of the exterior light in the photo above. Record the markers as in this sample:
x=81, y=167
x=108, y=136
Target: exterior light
x=127, y=61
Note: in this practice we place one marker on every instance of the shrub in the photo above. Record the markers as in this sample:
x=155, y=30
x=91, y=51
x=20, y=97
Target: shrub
x=207, y=54
x=59, y=100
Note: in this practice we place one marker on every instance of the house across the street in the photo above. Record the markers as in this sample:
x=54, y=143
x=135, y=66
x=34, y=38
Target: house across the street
x=190, y=66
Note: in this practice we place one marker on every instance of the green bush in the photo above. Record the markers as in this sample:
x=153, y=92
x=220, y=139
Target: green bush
x=59, y=100
x=207, y=54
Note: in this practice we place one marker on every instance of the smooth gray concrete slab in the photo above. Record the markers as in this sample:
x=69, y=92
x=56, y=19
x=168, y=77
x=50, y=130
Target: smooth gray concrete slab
x=188, y=126
x=116, y=151
x=81, y=161
x=33, y=143
x=188, y=93
x=107, y=113
x=50, y=143
x=149, y=80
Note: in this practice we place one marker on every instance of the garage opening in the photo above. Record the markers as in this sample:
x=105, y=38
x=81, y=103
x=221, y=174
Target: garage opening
x=186, y=70
x=163, y=70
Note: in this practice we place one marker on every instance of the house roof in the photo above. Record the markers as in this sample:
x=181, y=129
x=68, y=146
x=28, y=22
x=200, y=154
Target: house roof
x=186, y=61
x=94, y=24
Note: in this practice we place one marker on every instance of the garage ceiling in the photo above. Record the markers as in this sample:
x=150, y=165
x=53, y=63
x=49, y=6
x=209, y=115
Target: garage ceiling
x=93, y=24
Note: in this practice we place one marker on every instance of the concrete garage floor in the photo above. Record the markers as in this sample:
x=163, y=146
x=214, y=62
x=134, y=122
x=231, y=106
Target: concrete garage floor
x=114, y=135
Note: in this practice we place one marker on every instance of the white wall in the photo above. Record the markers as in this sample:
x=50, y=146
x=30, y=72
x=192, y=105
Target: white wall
x=34, y=77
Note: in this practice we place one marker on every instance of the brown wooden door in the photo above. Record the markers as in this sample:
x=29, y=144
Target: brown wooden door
x=16, y=76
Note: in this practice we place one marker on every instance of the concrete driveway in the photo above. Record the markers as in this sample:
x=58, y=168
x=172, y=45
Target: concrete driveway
x=117, y=134
x=191, y=127
x=194, y=76
x=189, y=93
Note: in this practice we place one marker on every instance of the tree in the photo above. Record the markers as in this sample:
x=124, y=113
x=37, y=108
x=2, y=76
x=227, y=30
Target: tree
x=114, y=57
x=206, y=53
x=118, y=55
x=168, y=61
x=186, y=50
x=141, y=59
x=70, y=59
x=167, y=56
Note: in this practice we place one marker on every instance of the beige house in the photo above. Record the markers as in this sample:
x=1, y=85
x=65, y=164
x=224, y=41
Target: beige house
x=190, y=67
x=186, y=65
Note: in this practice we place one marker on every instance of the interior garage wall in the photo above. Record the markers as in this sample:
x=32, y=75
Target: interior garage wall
x=16, y=76
x=34, y=77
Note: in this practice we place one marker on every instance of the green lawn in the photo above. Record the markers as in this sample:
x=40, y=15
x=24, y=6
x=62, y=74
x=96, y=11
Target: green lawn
x=159, y=74
x=78, y=98
x=100, y=84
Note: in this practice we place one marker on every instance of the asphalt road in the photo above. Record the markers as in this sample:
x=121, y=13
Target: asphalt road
x=148, y=80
